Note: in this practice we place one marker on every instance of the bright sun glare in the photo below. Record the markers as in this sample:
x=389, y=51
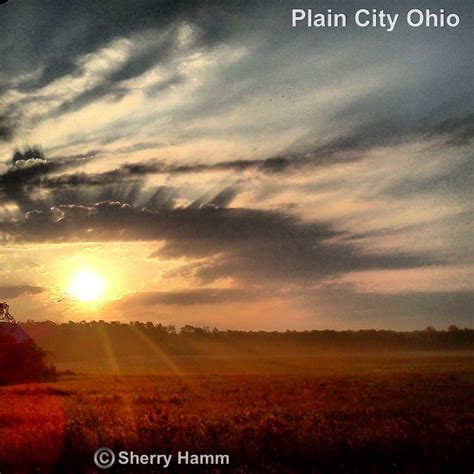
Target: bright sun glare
x=87, y=286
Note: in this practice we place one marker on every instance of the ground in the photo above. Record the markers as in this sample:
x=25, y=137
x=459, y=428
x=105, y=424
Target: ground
x=341, y=413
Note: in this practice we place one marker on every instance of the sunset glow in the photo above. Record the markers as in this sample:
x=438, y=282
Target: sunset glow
x=88, y=286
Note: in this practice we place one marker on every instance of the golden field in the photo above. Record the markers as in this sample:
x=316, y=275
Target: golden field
x=353, y=413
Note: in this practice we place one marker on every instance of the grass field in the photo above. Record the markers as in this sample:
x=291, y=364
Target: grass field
x=361, y=413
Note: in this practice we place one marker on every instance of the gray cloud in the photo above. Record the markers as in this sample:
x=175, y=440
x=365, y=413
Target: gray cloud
x=14, y=291
x=456, y=131
x=246, y=244
x=388, y=131
x=6, y=129
x=89, y=26
x=225, y=197
x=203, y=296
x=18, y=181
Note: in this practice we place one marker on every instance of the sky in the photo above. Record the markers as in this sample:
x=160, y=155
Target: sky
x=205, y=163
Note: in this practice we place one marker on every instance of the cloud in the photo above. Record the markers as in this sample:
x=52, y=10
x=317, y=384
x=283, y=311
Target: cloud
x=37, y=183
x=455, y=131
x=156, y=34
x=18, y=181
x=6, y=129
x=14, y=291
x=33, y=153
x=225, y=197
x=242, y=243
x=458, y=130
x=203, y=296
x=90, y=26
x=137, y=171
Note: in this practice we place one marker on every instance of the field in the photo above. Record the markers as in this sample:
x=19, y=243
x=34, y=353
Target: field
x=350, y=413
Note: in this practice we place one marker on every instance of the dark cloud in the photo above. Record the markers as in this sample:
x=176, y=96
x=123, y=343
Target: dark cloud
x=163, y=198
x=225, y=197
x=28, y=154
x=387, y=115
x=85, y=179
x=456, y=181
x=136, y=171
x=14, y=182
x=390, y=131
x=114, y=93
x=86, y=27
x=10, y=292
x=458, y=130
x=243, y=243
x=111, y=86
x=90, y=25
x=6, y=129
x=160, y=86
x=203, y=296
x=27, y=168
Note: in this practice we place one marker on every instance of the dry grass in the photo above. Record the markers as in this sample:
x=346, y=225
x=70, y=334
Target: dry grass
x=382, y=419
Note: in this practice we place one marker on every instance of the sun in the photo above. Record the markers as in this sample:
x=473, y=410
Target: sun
x=87, y=285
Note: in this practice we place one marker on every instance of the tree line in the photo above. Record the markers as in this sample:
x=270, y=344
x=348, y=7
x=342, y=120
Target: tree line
x=75, y=340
